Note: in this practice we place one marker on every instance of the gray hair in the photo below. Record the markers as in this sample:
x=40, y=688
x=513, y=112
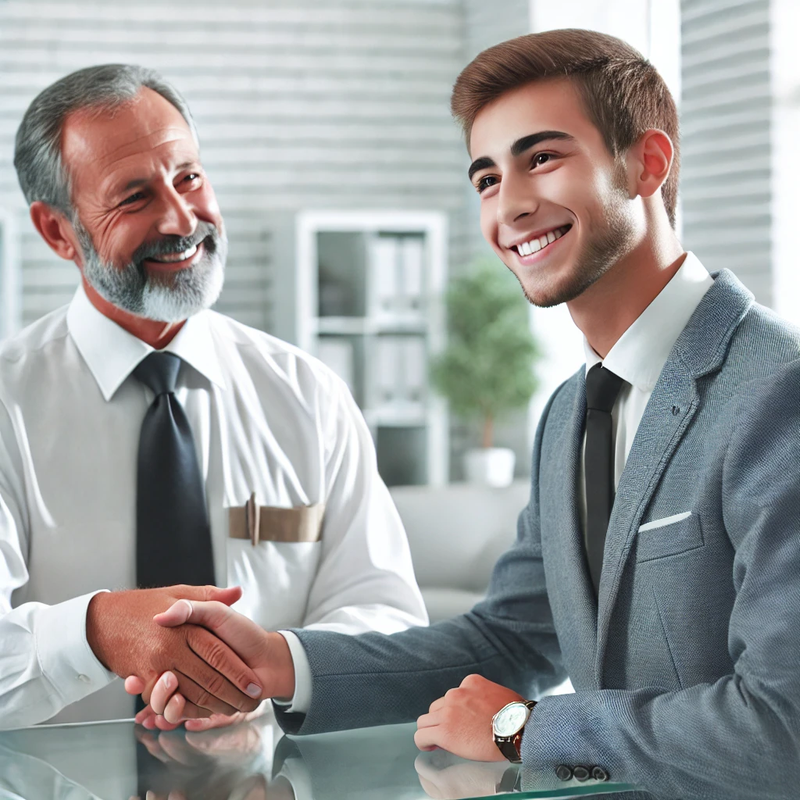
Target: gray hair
x=37, y=156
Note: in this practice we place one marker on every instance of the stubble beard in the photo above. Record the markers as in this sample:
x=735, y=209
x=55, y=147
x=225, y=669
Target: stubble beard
x=613, y=240
x=173, y=297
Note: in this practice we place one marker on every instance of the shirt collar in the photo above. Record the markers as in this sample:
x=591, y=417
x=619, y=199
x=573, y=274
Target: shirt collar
x=640, y=353
x=111, y=353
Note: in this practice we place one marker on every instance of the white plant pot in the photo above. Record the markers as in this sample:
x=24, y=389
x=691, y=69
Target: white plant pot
x=490, y=466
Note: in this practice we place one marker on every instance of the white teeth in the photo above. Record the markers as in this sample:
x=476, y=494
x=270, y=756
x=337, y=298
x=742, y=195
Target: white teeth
x=535, y=245
x=178, y=256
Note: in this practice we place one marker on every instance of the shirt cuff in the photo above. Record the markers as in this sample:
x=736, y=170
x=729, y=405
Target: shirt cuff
x=65, y=658
x=301, y=700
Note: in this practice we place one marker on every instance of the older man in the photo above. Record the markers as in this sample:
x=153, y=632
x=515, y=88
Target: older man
x=146, y=441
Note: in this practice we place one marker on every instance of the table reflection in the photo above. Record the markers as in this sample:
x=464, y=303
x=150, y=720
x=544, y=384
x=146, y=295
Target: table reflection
x=254, y=761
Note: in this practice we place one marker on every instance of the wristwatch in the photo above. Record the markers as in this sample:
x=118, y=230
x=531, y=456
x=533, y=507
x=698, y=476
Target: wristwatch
x=507, y=726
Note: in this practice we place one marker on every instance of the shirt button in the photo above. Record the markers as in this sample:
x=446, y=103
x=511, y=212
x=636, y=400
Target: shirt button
x=84, y=678
x=599, y=774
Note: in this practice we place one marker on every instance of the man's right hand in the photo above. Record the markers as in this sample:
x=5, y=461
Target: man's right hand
x=266, y=652
x=123, y=635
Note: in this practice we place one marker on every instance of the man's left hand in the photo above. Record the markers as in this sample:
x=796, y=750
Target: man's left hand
x=461, y=721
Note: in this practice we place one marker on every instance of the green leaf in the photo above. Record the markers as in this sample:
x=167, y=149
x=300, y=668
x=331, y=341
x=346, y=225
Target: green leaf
x=487, y=367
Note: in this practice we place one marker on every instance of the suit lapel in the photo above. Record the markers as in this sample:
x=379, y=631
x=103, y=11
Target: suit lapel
x=701, y=349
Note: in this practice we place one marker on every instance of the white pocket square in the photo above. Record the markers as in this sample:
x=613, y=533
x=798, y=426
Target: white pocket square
x=664, y=521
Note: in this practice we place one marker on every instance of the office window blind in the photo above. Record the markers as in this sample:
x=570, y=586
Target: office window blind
x=725, y=118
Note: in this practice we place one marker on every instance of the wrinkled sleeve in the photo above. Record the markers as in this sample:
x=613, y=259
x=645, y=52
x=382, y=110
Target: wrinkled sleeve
x=365, y=580
x=45, y=660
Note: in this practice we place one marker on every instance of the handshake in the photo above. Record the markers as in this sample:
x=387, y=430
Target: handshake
x=191, y=657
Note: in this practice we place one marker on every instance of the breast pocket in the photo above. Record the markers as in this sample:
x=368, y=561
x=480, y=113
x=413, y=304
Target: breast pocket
x=669, y=536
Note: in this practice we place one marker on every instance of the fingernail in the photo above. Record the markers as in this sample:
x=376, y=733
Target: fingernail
x=253, y=690
x=167, y=681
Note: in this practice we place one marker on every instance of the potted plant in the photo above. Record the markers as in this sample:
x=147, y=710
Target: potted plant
x=487, y=367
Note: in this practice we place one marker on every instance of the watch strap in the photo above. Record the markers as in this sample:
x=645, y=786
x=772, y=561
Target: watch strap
x=509, y=747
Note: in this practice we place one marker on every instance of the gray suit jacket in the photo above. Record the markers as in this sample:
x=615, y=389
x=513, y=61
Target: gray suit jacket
x=687, y=667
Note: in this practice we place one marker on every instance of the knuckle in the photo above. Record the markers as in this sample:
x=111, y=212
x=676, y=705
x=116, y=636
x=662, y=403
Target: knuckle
x=209, y=647
x=203, y=698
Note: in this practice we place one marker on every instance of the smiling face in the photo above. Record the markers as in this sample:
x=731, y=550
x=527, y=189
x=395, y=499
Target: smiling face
x=555, y=206
x=146, y=218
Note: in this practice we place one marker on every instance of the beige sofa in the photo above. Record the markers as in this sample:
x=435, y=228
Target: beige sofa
x=456, y=534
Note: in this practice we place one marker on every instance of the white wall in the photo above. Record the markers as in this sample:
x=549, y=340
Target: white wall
x=785, y=24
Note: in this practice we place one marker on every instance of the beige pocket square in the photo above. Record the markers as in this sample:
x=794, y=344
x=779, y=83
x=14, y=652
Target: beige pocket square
x=272, y=524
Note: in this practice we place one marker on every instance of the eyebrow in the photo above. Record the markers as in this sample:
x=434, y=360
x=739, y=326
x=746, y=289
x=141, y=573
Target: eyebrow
x=519, y=147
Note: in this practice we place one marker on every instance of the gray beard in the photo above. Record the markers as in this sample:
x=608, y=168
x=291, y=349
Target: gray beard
x=174, y=297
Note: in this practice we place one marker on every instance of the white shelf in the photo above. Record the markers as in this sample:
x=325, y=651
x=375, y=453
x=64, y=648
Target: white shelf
x=369, y=288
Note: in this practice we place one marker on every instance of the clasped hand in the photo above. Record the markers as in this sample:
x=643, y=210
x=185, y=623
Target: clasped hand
x=266, y=653
x=211, y=675
x=459, y=722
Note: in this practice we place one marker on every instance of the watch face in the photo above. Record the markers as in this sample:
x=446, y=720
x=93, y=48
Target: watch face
x=510, y=719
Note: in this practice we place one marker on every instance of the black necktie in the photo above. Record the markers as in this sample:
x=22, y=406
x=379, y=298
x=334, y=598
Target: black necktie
x=602, y=388
x=173, y=535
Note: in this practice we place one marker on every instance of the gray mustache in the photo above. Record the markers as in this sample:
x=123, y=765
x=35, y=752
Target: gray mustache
x=176, y=244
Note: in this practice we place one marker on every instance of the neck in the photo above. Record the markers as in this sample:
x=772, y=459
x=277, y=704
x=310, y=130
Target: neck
x=157, y=334
x=613, y=303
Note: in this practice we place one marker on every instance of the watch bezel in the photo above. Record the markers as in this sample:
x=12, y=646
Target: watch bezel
x=512, y=733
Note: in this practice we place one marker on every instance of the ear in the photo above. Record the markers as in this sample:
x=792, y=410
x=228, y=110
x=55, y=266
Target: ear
x=649, y=162
x=56, y=230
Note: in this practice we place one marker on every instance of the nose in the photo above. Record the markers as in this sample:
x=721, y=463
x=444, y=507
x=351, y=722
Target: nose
x=516, y=199
x=177, y=216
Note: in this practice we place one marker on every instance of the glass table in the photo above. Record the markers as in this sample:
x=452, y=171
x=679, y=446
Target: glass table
x=255, y=761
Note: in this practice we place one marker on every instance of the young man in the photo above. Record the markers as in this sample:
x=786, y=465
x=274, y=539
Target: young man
x=657, y=563
x=143, y=437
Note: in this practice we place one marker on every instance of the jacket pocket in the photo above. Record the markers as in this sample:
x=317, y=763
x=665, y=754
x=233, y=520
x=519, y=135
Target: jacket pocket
x=670, y=539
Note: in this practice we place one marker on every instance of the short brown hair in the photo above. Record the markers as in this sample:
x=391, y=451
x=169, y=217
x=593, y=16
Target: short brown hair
x=623, y=93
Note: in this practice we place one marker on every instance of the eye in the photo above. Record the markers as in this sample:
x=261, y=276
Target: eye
x=191, y=179
x=540, y=159
x=134, y=198
x=485, y=182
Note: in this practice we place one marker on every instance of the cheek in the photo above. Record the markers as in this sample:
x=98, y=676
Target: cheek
x=489, y=223
x=207, y=203
x=117, y=243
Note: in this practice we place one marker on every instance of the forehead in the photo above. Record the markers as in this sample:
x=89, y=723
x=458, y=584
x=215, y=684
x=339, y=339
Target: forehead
x=551, y=105
x=130, y=136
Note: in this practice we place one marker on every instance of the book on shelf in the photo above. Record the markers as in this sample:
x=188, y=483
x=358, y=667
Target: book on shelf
x=400, y=375
x=397, y=269
x=383, y=259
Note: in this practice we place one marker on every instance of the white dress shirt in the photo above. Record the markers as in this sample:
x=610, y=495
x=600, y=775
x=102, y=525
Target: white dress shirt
x=638, y=357
x=266, y=418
